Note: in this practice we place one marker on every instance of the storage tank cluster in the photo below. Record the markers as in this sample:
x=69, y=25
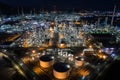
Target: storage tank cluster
x=61, y=70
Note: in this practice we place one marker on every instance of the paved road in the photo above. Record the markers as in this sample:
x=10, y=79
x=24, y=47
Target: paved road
x=6, y=69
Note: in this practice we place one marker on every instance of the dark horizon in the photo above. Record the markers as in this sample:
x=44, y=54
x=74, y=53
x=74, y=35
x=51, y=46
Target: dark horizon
x=59, y=5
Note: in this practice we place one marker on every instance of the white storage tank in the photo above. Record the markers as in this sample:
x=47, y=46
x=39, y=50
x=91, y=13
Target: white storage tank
x=61, y=70
x=46, y=61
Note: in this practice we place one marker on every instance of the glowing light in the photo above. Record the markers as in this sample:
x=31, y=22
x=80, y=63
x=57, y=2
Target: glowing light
x=33, y=58
x=101, y=55
x=104, y=57
x=33, y=51
x=90, y=46
x=62, y=45
x=37, y=70
x=51, y=29
x=100, y=51
x=77, y=22
x=84, y=72
x=82, y=54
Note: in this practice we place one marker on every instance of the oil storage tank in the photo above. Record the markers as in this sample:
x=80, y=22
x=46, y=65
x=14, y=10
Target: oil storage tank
x=79, y=61
x=61, y=70
x=46, y=61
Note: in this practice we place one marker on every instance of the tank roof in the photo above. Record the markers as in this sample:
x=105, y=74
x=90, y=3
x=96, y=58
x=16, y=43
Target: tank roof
x=79, y=58
x=46, y=58
x=61, y=67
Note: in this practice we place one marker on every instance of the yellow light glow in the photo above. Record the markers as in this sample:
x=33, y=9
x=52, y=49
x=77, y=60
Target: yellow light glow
x=82, y=54
x=25, y=60
x=51, y=29
x=104, y=57
x=84, y=72
x=41, y=48
x=100, y=55
x=37, y=70
x=90, y=46
x=25, y=44
x=100, y=51
x=62, y=45
x=33, y=51
x=76, y=22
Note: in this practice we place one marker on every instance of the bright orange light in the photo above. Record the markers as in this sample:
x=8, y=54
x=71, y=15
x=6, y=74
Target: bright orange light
x=84, y=72
x=25, y=44
x=25, y=60
x=100, y=55
x=104, y=57
x=90, y=46
x=82, y=54
x=37, y=70
x=76, y=22
x=33, y=51
x=100, y=51
x=62, y=45
x=51, y=29
x=41, y=48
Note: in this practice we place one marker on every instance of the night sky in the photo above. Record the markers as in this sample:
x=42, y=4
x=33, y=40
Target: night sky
x=63, y=4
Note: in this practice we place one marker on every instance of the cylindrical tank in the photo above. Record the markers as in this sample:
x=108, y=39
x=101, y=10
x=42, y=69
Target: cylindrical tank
x=46, y=61
x=61, y=70
x=79, y=61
